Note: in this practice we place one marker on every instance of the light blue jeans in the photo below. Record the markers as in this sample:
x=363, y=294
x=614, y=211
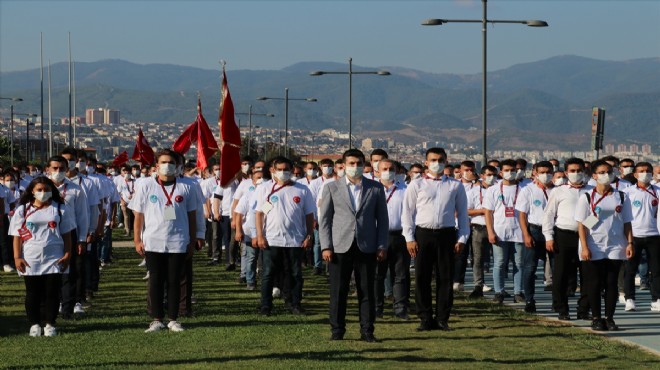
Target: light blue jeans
x=502, y=252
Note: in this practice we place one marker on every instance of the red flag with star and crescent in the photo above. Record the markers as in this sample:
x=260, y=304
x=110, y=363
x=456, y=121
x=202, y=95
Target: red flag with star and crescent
x=120, y=159
x=200, y=134
x=143, y=152
x=230, y=158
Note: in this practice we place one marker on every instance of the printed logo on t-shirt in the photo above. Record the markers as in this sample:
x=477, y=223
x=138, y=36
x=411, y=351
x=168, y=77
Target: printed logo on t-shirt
x=637, y=203
x=178, y=199
x=251, y=188
x=597, y=210
x=52, y=224
x=537, y=202
x=618, y=209
x=296, y=199
x=153, y=198
x=29, y=225
x=654, y=202
x=501, y=197
x=274, y=199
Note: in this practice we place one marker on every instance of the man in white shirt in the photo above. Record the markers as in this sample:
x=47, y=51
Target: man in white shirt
x=398, y=257
x=644, y=200
x=561, y=239
x=433, y=205
x=284, y=223
x=375, y=157
x=245, y=213
x=209, y=187
x=222, y=201
x=531, y=205
x=619, y=183
x=468, y=180
x=504, y=231
x=327, y=175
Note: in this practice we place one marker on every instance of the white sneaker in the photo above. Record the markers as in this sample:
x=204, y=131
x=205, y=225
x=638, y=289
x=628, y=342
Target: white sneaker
x=456, y=285
x=78, y=308
x=630, y=305
x=143, y=263
x=8, y=268
x=35, y=330
x=121, y=225
x=655, y=306
x=487, y=288
x=60, y=310
x=155, y=326
x=638, y=280
x=622, y=298
x=175, y=326
x=49, y=331
x=146, y=277
x=461, y=287
x=276, y=292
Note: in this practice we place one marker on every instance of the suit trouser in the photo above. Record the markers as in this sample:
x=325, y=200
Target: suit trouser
x=652, y=246
x=398, y=265
x=436, y=249
x=565, y=272
x=342, y=266
x=602, y=275
x=128, y=218
x=92, y=275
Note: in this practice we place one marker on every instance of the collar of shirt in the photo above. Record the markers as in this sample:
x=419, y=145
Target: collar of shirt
x=357, y=185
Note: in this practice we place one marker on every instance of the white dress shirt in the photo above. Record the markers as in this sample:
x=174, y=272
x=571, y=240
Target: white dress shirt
x=394, y=197
x=560, y=210
x=355, y=191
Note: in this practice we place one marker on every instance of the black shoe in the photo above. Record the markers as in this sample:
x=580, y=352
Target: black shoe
x=530, y=307
x=337, y=336
x=428, y=326
x=242, y=280
x=644, y=286
x=297, y=310
x=583, y=316
x=548, y=288
x=66, y=316
x=230, y=267
x=318, y=271
x=368, y=337
x=611, y=326
x=571, y=293
x=403, y=316
x=265, y=311
x=519, y=298
x=213, y=263
x=251, y=287
x=598, y=325
x=442, y=325
x=477, y=293
x=379, y=314
x=499, y=298
x=506, y=294
x=564, y=317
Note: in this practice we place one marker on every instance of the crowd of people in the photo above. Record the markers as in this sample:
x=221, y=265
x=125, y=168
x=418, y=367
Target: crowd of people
x=367, y=223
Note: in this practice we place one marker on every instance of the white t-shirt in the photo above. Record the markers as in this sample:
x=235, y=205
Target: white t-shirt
x=162, y=236
x=46, y=245
x=285, y=225
x=75, y=198
x=209, y=186
x=226, y=195
x=618, y=184
x=644, y=210
x=532, y=201
x=199, y=216
x=126, y=189
x=475, y=201
x=506, y=227
x=247, y=207
x=606, y=239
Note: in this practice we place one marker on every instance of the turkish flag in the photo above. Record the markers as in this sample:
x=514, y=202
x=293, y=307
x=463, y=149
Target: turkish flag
x=120, y=159
x=230, y=158
x=200, y=134
x=143, y=152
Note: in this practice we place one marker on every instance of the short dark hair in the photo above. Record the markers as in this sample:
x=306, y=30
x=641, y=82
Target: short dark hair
x=280, y=159
x=247, y=158
x=339, y=161
x=544, y=164
x=627, y=160
x=611, y=158
x=326, y=161
x=644, y=164
x=469, y=164
x=353, y=153
x=488, y=168
x=600, y=162
x=522, y=162
x=495, y=160
x=168, y=152
x=59, y=159
x=508, y=162
x=70, y=151
x=574, y=160
x=436, y=150
x=417, y=165
x=380, y=152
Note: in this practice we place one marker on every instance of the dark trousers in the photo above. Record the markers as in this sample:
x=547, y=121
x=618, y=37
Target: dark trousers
x=602, y=275
x=213, y=232
x=398, y=265
x=226, y=236
x=530, y=261
x=42, y=298
x=73, y=283
x=92, y=268
x=652, y=246
x=165, y=267
x=565, y=272
x=460, y=261
x=342, y=266
x=6, y=243
x=274, y=260
x=436, y=251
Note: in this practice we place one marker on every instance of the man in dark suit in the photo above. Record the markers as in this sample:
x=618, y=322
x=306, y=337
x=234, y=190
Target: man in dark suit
x=353, y=228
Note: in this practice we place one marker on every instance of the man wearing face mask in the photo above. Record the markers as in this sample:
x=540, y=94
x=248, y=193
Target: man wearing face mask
x=626, y=168
x=521, y=168
x=245, y=213
x=126, y=190
x=375, y=157
x=433, y=206
x=311, y=173
x=644, y=199
x=209, y=186
x=284, y=228
x=656, y=175
x=327, y=175
x=353, y=227
x=531, y=206
x=480, y=244
x=246, y=165
x=105, y=189
x=618, y=183
x=467, y=179
x=339, y=172
x=504, y=230
x=561, y=238
x=416, y=171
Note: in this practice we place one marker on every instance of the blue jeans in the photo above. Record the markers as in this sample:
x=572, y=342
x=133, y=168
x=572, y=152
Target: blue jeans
x=530, y=260
x=106, y=247
x=251, y=257
x=501, y=254
x=318, y=255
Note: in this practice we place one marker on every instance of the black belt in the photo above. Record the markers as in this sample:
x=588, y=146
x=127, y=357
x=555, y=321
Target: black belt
x=566, y=231
x=477, y=226
x=533, y=226
x=396, y=232
x=440, y=230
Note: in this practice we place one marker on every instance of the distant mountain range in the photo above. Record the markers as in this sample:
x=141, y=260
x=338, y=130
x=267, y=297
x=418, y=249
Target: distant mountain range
x=544, y=104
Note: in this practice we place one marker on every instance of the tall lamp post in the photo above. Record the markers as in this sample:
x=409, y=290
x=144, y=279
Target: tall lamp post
x=350, y=74
x=484, y=29
x=286, y=114
x=11, y=128
x=250, y=114
x=27, y=132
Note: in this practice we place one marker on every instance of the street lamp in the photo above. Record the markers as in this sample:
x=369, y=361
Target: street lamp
x=250, y=114
x=11, y=128
x=286, y=114
x=350, y=74
x=484, y=23
x=27, y=132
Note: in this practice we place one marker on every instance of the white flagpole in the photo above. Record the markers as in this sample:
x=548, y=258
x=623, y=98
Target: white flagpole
x=50, y=117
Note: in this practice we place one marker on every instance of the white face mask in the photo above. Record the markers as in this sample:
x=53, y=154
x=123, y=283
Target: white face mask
x=82, y=166
x=72, y=164
x=544, y=178
x=167, y=169
x=57, y=176
x=400, y=178
x=143, y=175
x=575, y=177
x=294, y=178
x=341, y=173
x=520, y=174
x=283, y=175
x=43, y=196
x=436, y=167
x=488, y=180
x=91, y=170
x=154, y=174
x=311, y=173
x=627, y=170
x=374, y=165
x=387, y=175
x=257, y=169
x=34, y=173
x=10, y=184
x=245, y=168
x=657, y=176
x=327, y=170
x=216, y=173
x=644, y=177
x=457, y=175
x=127, y=176
x=354, y=172
x=415, y=175
x=259, y=182
x=509, y=175
x=559, y=181
x=603, y=178
x=467, y=176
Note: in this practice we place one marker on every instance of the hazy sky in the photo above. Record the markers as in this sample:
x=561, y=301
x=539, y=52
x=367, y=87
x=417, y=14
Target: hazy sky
x=276, y=34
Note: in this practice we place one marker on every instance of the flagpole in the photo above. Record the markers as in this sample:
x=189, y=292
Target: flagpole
x=50, y=117
x=73, y=70
x=41, y=59
x=70, y=126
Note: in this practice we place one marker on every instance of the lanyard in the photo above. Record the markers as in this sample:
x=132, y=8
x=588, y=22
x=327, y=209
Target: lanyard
x=545, y=193
x=28, y=213
x=593, y=205
x=63, y=192
x=273, y=190
x=432, y=178
x=130, y=191
x=481, y=197
x=653, y=193
x=392, y=193
x=169, y=197
x=515, y=198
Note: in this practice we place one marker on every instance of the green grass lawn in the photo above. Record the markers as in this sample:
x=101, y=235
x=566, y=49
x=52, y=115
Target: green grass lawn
x=227, y=332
